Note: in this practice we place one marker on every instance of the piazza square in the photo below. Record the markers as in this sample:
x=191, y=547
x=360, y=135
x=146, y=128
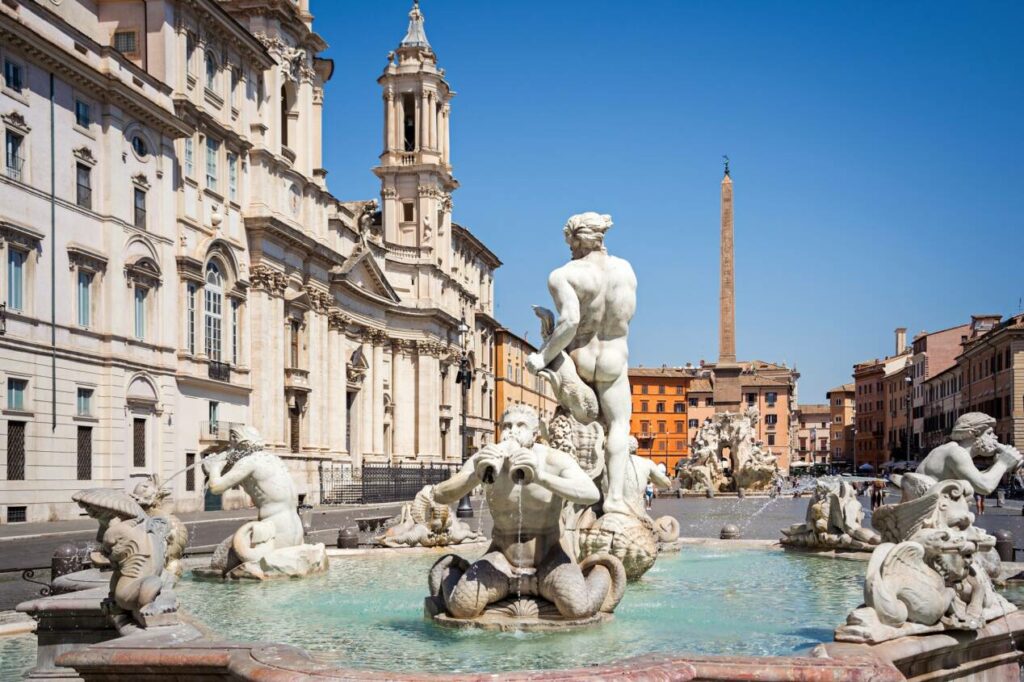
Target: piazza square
x=600, y=413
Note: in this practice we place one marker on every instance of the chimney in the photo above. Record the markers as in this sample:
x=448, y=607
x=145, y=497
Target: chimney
x=901, y=339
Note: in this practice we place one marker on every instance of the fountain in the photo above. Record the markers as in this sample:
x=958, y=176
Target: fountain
x=751, y=467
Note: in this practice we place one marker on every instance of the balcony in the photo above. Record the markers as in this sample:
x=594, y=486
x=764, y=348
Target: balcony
x=446, y=411
x=296, y=379
x=14, y=166
x=221, y=371
x=216, y=432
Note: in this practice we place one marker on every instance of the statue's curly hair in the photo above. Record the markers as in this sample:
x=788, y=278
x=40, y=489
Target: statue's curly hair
x=588, y=229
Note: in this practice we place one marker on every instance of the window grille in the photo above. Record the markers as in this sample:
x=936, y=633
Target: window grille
x=15, y=451
x=126, y=42
x=84, y=453
x=14, y=162
x=139, y=443
x=17, y=514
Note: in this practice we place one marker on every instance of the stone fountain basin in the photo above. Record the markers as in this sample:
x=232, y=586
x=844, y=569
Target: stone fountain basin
x=399, y=645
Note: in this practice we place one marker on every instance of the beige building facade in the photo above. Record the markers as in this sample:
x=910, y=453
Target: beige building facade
x=201, y=272
x=813, y=433
x=842, y=417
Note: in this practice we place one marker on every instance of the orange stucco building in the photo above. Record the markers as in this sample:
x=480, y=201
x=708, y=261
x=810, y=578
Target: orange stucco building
x=659, y=420
x=513, y=383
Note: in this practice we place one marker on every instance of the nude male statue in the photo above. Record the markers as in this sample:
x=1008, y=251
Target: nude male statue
x=639, y=471
x=526, y=485
x=267, y=481
x=972, y=436
x=595, y=297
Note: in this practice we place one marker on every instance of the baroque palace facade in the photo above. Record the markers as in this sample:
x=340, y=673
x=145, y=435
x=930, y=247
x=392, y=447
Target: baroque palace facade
x=173, y=262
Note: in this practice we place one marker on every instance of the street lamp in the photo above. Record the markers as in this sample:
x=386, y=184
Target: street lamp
x=465, y=379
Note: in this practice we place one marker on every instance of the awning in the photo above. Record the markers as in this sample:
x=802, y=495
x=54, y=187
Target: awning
x=865, y=467
x=799, y=465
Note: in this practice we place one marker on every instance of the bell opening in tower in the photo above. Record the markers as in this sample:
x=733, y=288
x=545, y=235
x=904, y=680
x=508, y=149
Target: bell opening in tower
x=409, y=122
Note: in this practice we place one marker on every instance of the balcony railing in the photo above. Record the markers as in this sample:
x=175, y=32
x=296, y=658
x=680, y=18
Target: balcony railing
x=296, y=378
x=221, y=371
x=14, y=166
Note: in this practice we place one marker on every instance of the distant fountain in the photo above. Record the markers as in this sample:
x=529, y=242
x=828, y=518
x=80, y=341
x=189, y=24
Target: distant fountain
x=751, y=469
x=272, y=546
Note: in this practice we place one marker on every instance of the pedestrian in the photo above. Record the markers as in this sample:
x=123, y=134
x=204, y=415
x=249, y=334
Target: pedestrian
x=649, y=494
x=979, y=502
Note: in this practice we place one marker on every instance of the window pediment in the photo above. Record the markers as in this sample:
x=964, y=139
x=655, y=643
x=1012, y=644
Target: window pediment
x=85, y=258
x=15, y=120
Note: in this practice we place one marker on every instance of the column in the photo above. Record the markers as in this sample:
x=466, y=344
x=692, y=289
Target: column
x=377, y=393
x=433, y=122
x=428, y=414
x=403, y=394
x=424, y=121
x=399, y=122
x=445, y=127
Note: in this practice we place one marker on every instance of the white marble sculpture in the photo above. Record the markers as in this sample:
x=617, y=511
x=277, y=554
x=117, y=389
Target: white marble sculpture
x=527, y=577
x=833, y=522
x=972, y=438
x=272, y=546
x=931, y=580
x=595, y=299
x=142, y=553
x=751, y=468
x=426, y=523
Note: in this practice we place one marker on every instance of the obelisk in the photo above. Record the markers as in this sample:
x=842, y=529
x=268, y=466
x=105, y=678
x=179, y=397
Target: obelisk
x=727, y=387
x=727, y=283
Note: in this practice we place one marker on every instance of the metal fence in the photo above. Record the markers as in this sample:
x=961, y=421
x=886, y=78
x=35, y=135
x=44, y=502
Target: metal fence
x=379, y=482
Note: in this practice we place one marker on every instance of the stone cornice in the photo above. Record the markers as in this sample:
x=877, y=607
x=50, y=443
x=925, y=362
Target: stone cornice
x=99, y=84
x=274, y=227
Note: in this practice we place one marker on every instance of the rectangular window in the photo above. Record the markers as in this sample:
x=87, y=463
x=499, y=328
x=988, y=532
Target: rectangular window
x=679, y=427
x=82, y=114
x=190, y=472
x=693, y=402
x=84, y=404
x=212, y=411
x=771, y=419
x=83, y=181
x=709, y=402
x=692, y=423
x=17, y=514
x=234, y=331
x=212, y=344
x=15, y=451
x=662, y=427
x=294, y=344
x=643, y=406
x=212, y=149
x=140, y=312
x=84, y=453
x=679, y=390
x=678, y=408
x=407, y=212
x=643, y=389
x=661, y=389
x=770, y=397
x=190, y=161
x=140, y=208
x=16, y=393
x=14, y=161
x=232, y=176
x=126, y=42
x=751, y=398
x=645, y=427
x=139, y=442
x=15, y=279
x=771, y=439
x=190, y=324
x=14, y=75
x=660, y=407
x=84, y=298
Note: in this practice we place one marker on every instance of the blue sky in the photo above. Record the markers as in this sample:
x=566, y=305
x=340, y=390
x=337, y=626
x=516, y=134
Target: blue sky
x=876, y=156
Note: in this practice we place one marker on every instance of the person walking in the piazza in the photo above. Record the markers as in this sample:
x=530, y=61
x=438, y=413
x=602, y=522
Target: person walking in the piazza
x=595, y=297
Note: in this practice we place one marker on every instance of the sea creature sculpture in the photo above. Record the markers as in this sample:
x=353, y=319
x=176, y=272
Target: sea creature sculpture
x=425, y=523
x=833, y=520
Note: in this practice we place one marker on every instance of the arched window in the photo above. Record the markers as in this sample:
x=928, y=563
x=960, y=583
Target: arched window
x=211, y=71
x=214, y=301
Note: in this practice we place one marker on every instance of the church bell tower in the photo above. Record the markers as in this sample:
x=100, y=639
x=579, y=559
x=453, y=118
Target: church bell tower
x=415, y=166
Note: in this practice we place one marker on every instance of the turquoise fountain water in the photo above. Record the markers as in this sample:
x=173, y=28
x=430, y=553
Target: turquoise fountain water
x=366, y=612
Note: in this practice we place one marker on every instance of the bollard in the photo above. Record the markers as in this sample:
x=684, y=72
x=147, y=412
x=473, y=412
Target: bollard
x=348, y=538
x=1004, y=545
x=739, y=492
x=305, y=512
x=67, y=558
x=1000, y=497
x=730, y=531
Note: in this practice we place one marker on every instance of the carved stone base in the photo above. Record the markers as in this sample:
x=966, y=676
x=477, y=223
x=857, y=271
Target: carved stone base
x=526, y=614
x=288, y=562
x=625, y=537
